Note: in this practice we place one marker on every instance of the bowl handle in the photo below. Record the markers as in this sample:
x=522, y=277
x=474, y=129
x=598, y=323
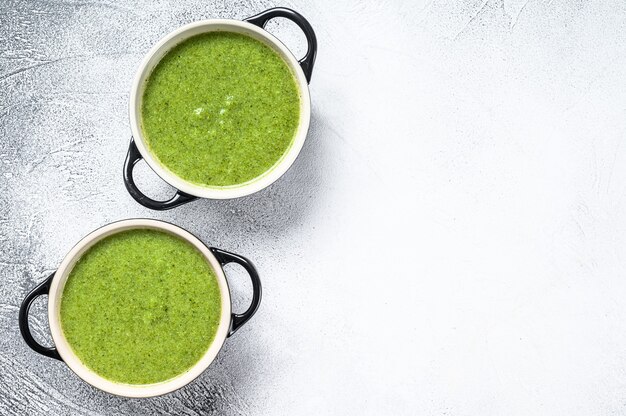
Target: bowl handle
x=224, y=257
x=42, y=289
x=307, y=62
x=132, y=158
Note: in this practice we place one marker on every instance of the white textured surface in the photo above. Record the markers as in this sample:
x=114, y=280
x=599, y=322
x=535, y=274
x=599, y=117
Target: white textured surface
x=451, y=240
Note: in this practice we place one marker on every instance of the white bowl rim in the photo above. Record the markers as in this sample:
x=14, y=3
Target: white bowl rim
x=177, y=36
x=89, y=376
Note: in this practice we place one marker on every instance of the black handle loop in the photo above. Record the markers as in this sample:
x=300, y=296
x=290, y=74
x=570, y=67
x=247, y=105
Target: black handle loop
x=132, y=158
x=42, y=289
x=225, y=257
x=307, y=62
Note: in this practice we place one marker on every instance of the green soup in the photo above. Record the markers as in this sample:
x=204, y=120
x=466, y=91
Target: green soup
x=220, y=109
x=141, y=307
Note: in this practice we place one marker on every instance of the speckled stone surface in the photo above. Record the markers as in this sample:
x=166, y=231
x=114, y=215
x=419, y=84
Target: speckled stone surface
x=451, y=240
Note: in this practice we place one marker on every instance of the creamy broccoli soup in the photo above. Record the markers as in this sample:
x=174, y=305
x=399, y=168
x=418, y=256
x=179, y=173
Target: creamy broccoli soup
x=220, y=109
x=140, y=307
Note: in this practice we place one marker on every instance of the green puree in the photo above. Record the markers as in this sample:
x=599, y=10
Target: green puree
x=140, y=307
x=220, y=109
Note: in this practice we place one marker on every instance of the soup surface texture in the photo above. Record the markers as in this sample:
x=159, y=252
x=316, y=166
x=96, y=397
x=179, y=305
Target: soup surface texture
x=220, y=109
x=141, y=306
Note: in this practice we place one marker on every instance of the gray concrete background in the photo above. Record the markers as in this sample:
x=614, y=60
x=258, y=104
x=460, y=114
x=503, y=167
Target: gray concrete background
x=451, y=240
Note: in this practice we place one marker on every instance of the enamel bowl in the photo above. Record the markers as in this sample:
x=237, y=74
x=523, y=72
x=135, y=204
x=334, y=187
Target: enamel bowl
x=253, y=27
x=54, y=284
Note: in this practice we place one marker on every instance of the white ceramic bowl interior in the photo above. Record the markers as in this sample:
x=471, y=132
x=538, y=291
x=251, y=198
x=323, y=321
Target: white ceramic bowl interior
x=68, y=355
x=176, y=37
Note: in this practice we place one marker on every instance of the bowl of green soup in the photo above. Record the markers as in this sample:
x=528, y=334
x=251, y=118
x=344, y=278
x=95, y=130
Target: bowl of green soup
x=220, y=108
x=139, y=308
